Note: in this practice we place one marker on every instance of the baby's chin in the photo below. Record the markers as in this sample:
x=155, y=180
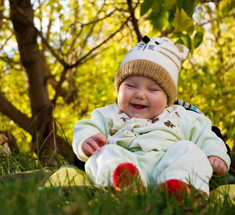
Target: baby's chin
x=144, y=115
x=139, y=116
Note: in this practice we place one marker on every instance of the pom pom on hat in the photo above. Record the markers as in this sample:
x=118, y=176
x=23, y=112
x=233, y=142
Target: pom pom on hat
x=158, y=59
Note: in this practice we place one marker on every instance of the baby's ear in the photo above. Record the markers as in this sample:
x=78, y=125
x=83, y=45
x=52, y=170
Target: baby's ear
x=183, y=50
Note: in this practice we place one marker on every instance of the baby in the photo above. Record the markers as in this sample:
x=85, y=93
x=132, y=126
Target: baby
x=145, y=134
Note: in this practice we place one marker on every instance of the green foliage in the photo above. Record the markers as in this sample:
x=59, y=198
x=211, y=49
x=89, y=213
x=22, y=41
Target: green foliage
x=146, y=5
x=187, y=6
x=73, y=29
x=182, y=22
x=176, y=17
x=198, y=38
x=173, y=17
x=208, y=78
x=227, y=6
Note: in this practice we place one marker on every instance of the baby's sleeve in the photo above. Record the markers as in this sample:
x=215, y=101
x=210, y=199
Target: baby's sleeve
x=200, y=132
x=86, y=128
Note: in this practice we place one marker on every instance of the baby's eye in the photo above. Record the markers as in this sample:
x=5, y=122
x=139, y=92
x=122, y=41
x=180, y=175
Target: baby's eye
x=130, y=85
x=153, y=89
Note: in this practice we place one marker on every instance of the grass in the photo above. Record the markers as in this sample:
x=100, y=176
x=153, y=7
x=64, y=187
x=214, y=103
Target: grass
x=24, y=194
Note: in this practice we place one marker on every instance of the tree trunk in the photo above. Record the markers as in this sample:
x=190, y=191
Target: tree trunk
x=42, y=123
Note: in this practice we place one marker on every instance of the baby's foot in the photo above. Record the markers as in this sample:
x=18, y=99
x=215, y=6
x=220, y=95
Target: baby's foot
x=126, y=177
x=176, y=188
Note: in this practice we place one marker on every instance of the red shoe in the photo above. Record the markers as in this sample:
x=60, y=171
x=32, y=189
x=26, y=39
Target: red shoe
x=176, y=188
x=126, y=177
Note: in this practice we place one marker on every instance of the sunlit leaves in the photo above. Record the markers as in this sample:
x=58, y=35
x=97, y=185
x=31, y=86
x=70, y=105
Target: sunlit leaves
x=175, y=17
x=182, y=22
x=208, y=81
x=227, y=5
x=73, y=29
x=145, y=7
x=187, y=6
x=171, y=15
x=198, y=38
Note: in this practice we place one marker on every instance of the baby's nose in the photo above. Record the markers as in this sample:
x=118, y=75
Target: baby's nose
x=140, y=94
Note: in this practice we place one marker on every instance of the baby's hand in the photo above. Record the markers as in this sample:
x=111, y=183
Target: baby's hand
x=93, y=144
x=218, y=165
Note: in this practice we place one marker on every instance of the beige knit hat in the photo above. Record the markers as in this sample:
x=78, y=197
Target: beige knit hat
x=158, y=59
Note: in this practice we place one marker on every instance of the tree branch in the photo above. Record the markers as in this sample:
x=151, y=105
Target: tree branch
x=39, y=33
x=217, y=19
x=81, y=60
x=15, y=114
x=26, y=123
x=134, y=20
x=59, y=86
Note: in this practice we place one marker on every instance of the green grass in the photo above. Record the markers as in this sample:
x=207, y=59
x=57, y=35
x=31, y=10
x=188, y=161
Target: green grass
x=24, y=194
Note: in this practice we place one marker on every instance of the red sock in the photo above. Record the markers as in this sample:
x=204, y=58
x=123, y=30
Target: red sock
x=177, y=188
x=125, y=177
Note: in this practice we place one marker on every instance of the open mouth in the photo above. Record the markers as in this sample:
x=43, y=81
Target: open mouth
x=137, y=106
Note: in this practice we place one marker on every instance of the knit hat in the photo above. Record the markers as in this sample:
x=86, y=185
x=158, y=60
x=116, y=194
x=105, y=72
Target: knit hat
x=158, y=59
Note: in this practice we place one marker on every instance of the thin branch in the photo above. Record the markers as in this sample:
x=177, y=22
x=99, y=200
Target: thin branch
x=217, y=19
x=5, y=42
x=207, y=1
x=98, y=20
x=91, y=30
x=59, y=85
x=44, y=40
x=82, y=60
x=79, y=61
x=94, y=22
x=10, y=61
x=134, y=20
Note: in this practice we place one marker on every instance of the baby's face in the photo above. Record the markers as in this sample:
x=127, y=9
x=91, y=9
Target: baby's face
x=141, y=97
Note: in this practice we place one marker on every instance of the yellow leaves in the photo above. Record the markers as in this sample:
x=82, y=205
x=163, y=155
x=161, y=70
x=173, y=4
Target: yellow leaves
x=226, y=6
x=182, y=21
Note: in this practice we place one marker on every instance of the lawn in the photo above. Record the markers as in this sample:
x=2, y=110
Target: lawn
x=23, y=193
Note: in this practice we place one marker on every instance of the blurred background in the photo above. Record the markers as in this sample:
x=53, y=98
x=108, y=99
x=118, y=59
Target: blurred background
x=58, y=59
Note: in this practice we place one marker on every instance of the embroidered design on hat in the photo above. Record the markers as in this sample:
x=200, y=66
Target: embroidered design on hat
x=173, y=53
x=169, y=58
